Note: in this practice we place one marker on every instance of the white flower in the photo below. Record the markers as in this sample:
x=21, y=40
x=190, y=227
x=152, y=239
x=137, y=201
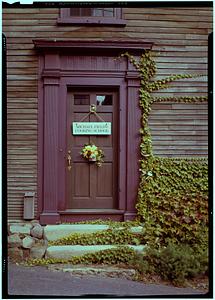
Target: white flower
x=149, y=173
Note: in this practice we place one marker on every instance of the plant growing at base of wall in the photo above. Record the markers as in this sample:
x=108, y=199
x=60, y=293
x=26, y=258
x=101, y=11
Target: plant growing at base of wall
x=107, y=237
x=173, y=193
x=119, y=255
x=175, y=263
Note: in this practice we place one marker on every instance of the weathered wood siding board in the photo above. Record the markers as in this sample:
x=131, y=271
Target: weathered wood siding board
x=179, y=130
x=180, y=37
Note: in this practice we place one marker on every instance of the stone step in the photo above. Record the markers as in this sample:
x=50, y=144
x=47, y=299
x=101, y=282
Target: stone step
x=92, y=270
x=55, y=232
x=66, y=252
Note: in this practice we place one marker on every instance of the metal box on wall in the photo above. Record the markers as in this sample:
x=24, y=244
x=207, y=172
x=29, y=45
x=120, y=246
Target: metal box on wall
x=28, y=212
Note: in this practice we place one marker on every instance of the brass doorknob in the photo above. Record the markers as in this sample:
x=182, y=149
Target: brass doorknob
x=69, y=161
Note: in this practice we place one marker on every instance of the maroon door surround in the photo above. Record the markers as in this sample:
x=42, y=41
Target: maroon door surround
x=63, y=67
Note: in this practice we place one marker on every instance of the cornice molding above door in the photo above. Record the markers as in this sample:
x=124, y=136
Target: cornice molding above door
x=112, y=46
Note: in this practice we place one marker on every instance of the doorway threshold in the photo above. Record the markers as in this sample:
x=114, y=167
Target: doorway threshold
x=92, y=210
x=86, y=214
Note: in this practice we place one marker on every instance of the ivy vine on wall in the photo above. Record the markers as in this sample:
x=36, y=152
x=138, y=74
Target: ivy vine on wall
x=173, y=192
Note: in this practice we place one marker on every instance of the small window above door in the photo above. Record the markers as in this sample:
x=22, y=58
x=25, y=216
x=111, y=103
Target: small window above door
x=92, y=12
x=91, y=16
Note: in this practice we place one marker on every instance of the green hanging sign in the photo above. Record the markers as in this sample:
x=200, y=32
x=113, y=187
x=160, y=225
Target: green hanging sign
x=91, y=128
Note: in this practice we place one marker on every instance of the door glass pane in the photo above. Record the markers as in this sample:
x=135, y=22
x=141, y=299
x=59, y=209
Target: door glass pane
x=104, y=100
x=81, y=99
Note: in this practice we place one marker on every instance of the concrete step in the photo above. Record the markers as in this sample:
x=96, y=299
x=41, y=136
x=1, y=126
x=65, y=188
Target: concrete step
x=66, y=252
x=55, y=232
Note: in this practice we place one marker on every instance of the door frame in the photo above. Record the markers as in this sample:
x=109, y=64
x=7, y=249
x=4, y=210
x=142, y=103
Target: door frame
x=52, y=95
x=73, y=200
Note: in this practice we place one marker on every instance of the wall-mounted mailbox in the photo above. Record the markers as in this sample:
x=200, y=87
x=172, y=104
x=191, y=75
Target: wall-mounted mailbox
x=29, y=198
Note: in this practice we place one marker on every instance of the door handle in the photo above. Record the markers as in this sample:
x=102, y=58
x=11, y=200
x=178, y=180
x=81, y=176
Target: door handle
x=69, y=161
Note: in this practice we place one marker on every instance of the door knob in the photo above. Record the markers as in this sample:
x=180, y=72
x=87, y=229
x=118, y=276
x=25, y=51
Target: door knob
x=69, y=160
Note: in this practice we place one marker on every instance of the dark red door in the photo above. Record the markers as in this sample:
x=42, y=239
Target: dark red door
x=90, y=186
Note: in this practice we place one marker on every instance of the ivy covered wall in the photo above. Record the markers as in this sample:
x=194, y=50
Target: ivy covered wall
x=173, y=192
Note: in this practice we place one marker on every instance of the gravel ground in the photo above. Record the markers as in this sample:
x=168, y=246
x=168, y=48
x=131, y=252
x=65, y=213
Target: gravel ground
x=39, y=281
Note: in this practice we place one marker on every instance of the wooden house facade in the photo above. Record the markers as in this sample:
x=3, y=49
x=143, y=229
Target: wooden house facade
x=61, y=64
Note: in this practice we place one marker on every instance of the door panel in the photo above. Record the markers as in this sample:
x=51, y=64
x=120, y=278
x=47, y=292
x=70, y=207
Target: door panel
x=104, y=186
x=81, y=171
x=90, y=186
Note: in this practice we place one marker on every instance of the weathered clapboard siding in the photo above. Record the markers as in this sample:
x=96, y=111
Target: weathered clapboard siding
x=180, y=38
x=179, y=130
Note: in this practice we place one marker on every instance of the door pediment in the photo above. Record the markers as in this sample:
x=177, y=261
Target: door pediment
x=80, y=46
